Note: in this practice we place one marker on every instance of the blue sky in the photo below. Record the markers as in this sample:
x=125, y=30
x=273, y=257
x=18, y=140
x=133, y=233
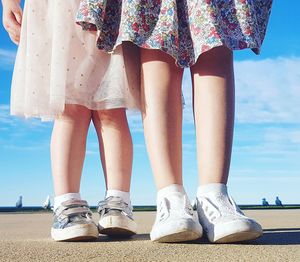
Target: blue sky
x=266, y=148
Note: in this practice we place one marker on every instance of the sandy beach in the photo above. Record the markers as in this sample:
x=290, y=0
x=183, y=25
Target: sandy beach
x=26, y=237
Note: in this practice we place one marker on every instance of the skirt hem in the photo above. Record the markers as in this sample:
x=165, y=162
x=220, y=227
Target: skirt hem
x=52, y=116
x=91, y=25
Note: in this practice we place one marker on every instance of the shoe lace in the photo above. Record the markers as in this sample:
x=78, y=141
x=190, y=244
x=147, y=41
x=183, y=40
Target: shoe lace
x=163, y=209
x=211, y=211
x=188, y=207
x=236, y=207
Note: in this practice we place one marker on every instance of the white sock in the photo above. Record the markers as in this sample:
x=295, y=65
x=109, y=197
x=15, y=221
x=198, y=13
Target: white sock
x=212, y=189
x=125, y=196
x=65, y=197
x=166, y=191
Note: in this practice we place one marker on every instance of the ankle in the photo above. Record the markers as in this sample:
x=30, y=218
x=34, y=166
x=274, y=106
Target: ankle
x=212, y=189
x=169, y=190
x=58, y=200
x=125, y=196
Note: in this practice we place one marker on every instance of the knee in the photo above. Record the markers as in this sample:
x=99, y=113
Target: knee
x=112, y=116
x=76, y=113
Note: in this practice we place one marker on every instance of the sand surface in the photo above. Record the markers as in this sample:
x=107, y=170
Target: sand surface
x=26, y=237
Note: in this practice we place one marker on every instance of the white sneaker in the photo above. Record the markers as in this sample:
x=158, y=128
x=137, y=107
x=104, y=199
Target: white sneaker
x=176, y=221
x=223, y=221
x=116, y=218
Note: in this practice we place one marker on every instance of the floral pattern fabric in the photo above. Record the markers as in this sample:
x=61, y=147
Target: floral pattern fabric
x=182, y=28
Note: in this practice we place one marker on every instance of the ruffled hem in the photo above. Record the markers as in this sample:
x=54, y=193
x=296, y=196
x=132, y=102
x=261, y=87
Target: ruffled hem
x=90, y=26
x=185, y=42
x=47, y=115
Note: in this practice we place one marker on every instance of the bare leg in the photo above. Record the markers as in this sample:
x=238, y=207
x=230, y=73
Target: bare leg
x=116, y=150
x=213, y=82
x=68, y=145
x=115, y=145
x=162, y=116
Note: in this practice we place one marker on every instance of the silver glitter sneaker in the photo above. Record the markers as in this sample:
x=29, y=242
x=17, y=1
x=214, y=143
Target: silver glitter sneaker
x=73, y=222
x=116, y=218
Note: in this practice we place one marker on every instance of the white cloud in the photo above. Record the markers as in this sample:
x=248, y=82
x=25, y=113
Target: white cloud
x=91, y=152
x=139, y=146
x=267, y=91
x=274, y=143
x=253, y=174
x=187, y=94
x=21, y=134
x=32, y=147
x=8, y=120
x=5, y=118
x=135, y=122
x=282, y=136
x=7, y=58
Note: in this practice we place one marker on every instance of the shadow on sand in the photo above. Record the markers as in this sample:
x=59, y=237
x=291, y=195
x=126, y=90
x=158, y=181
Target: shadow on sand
x=276, y=236
x=279, y=236
x=138, y=237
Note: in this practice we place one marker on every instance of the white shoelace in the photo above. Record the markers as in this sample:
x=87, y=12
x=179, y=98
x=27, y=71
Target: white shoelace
x=219, y=207
x=166, y=207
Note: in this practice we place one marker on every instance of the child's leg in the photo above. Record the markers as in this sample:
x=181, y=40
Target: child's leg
x=213, y=82
x=116, y=150
x=68, y=145
x=115, y=145
x=162, y=118
x=72, y=217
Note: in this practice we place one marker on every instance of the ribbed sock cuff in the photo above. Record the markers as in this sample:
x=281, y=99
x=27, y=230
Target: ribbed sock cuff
x=125, y=196
x=212, y=188
x=58, y=200
x=166, y=191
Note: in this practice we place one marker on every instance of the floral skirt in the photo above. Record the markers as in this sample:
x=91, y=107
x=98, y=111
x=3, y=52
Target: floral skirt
x=57, y=63
x=182, y=28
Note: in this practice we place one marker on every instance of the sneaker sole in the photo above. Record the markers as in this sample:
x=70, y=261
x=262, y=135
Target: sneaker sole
x=239, y=237
x=237, y=231
x=75, y=233
x=115, y=226
x=116, y=232
x=181, y=236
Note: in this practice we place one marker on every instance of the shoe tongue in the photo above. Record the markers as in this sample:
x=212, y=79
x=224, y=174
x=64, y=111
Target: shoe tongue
x=222, y=202
x=212, y=188
x=169, y=190
x=216, y=192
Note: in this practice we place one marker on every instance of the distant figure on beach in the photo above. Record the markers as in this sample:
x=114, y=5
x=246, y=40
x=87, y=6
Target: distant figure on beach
x=47, y=203
x=278, y=201
x=19, y=203
x=265, y=202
